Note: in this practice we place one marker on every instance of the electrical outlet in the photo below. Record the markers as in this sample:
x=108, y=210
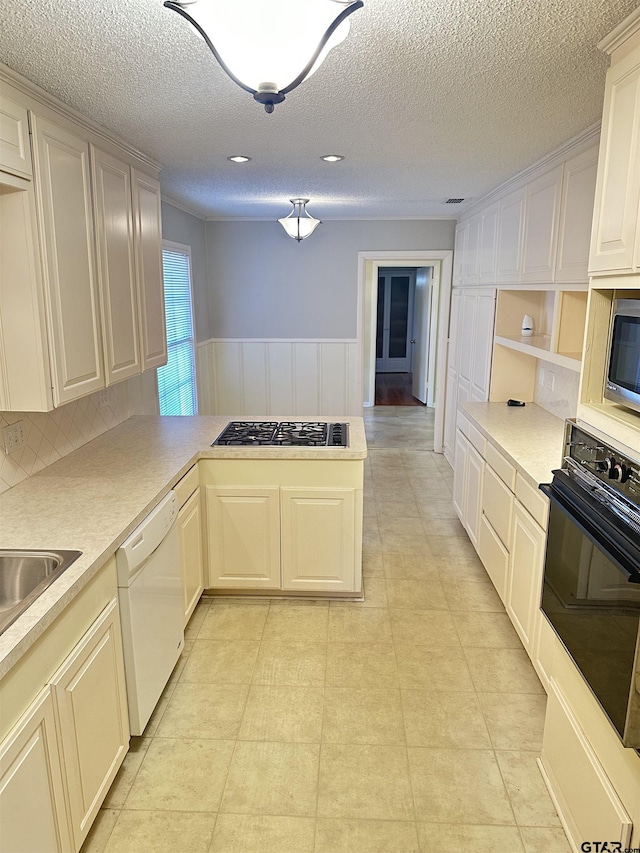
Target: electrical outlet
x=14, y=436
x=103, y=398
x=549, y=380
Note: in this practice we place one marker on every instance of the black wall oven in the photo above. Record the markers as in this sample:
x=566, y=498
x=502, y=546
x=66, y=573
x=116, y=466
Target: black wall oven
x=591, y=590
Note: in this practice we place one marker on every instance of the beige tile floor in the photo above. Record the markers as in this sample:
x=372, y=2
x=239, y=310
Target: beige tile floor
x=409, y=723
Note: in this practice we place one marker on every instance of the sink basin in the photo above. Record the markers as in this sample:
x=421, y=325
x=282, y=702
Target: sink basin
x=24, y=575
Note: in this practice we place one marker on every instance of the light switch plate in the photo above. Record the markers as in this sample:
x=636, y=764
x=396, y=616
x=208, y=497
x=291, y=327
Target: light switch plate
x=14, y=436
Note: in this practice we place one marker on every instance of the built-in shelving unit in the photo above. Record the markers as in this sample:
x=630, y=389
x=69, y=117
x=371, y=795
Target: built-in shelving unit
x=558, y=323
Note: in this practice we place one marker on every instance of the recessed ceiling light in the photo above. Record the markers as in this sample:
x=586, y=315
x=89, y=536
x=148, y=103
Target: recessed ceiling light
x=239, y=158
x=332, y=158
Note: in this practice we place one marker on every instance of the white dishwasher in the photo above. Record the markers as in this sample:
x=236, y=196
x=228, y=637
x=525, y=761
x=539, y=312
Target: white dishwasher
x=151, y=612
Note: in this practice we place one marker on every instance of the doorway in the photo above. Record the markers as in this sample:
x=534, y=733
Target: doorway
x=439, y=264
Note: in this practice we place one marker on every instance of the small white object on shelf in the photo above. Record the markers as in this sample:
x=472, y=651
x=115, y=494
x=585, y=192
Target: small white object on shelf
x=527, y=326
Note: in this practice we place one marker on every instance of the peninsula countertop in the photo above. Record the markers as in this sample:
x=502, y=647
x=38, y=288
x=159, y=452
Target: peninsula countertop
x=92, y=499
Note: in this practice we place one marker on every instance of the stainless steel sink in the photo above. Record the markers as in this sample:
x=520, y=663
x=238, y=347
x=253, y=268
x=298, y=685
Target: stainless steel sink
x=24, y=575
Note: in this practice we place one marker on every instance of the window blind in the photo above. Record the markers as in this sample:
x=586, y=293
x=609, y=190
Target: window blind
x=177, y=378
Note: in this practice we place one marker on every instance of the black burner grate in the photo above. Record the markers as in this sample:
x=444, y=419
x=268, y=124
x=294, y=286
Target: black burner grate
x=285, y=434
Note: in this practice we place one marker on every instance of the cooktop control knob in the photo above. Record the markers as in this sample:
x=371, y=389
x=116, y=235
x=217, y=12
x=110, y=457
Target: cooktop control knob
x=610, y=463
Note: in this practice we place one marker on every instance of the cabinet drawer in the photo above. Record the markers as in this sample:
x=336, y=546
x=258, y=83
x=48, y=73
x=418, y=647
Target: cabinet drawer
x=463, y=424
x=533, y=500
x=497, y=505
x=185, y=487
x=477, y=439
x=503, y=468
x=494, y=556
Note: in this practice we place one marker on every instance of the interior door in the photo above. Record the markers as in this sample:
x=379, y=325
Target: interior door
x=396, y=292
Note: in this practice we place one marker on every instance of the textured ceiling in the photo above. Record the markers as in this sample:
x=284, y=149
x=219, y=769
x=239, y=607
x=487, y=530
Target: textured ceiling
x=426, y=99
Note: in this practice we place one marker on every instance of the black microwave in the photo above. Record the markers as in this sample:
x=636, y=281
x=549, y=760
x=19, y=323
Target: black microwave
x=622, y=384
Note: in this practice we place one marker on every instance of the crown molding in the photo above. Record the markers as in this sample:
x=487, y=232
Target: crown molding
x=568, y=149
x=183, y=207
x=41, y=96
x=622, y=32
x=425, y=218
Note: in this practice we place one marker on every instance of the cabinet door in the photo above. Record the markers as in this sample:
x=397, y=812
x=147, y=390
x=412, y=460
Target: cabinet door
x=466, y=327
x=32, y=810
x=148, y=243
x=471, y=255
x=488, y=244
x=615, y=220
x=541, y=215
x=576, y=216
x=474, y=477
x=191, y=556
x=243, y=536
x=482, y=346
x=24, y=355
x=460, y=475
x=525, y=575
x=494, y=556
x=116, y=267
x=459, y=253
x=509, y=251
x=318, y=539
x=91, y=705
x=64, y=198
x=450, y=408
x=15, y=151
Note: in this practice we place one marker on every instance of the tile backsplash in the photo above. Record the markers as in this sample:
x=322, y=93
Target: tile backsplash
x=52, y=435
x=560, y=400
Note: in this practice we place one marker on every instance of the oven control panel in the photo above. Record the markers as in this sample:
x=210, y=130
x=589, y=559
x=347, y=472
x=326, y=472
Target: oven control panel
x=611, y=467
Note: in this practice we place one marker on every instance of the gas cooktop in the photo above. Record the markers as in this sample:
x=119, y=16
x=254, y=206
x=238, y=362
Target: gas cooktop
x=284, y=434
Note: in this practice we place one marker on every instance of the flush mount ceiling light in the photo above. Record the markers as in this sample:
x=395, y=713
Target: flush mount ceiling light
x=332, y=158
x=298, y=224
x=268, y=47
x=239, y=158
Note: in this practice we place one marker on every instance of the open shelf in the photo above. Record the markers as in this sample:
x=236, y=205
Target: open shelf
x=539, y=346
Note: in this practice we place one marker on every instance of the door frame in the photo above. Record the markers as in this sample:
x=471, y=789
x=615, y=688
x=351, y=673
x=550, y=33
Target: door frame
x=368, y=263
x=411, y=274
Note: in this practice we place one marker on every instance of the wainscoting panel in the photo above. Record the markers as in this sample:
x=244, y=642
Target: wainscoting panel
x=279, y=377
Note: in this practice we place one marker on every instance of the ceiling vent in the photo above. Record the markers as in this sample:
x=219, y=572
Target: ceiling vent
x=453, y=201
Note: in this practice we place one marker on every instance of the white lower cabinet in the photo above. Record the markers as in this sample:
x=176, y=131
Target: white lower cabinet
x=467, y=485
x=525, y=575
x=243, y=536
x=191, y=553
x=588, y=802
x=494, y=556
x=90, y=695
x=283, y=525
x=32, y=807
x=318, y=539
x=59, y=758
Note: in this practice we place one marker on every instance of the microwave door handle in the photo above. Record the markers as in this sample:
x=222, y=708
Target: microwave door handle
x=623, y=556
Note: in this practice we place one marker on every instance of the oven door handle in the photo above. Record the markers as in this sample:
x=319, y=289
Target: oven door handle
x=593, y=522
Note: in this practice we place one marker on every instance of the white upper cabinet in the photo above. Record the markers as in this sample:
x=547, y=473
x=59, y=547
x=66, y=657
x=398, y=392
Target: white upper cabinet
x=148, y=242
x=63, y=186
x=574, y=233
x=116, y=266
x=471, y=259
x=510, y=237
x=81, y=284
x=615, y=246
x=541, y=215
x=15, y=152
x=488, y=244
x=458, y=255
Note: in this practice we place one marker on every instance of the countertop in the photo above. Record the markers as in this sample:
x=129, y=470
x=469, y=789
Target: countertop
x=92, y=499
x=530, y=437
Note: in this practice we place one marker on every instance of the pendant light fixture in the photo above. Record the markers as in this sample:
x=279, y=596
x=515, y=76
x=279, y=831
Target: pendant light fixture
x=268, y=47
x=298, y=224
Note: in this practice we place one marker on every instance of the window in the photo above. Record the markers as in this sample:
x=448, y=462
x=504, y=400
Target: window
x=177, y=379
